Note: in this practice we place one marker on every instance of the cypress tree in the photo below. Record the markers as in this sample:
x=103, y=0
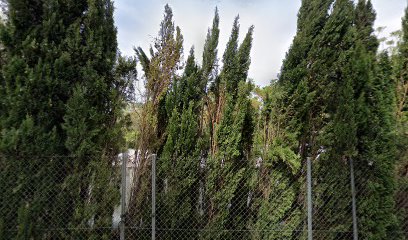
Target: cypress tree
x=210, y=60
x=364, y=21
x=312, y=16
x=332, y=124
x=226, y=186
x=178, y=164
x=30, y=74
x=298, y=78
x=62, y=54
x=375, y=161
x=400, y=76
x=329, y=75
x=160, y=74
x=275, y=185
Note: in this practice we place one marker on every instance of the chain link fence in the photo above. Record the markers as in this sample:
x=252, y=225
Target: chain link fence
x=66, y=197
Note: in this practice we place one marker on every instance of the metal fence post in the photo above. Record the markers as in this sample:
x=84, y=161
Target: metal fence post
x=153, y=196
x=123, y=196
x=309, y=200
x=353, y=196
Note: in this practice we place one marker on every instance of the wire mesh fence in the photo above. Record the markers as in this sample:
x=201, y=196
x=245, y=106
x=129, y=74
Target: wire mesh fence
x=68, y=197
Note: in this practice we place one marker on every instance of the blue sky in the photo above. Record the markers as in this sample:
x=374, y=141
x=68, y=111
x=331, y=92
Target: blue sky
x=275, y=25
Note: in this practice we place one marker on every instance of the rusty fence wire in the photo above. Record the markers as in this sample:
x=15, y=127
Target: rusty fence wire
x=71, y=197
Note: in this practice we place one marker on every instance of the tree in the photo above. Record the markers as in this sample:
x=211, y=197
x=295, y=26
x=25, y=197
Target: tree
x=276, y=185
x=232, y=119
x=210, y=77
x=375, y=161
x=159, y=73
x=178, y=164
x=63, y=55
x=340, y=67
x=400, y=78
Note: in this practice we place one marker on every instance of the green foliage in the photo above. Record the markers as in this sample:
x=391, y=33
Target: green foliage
x=230, y=155
x=62, y=94
x=210, y=52
x=229, y=167
x=400, y=79
x=278, y=183
x=375, y=131
x=160, y=73
x=340, y=66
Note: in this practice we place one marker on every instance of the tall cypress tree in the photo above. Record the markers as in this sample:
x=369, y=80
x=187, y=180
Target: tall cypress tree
x=375, y=161
x=339, y=68
x=210, y=79
x=32, y=73
x=400, y=76
x=332, y=143
x=299, y=77
x=90, y=123
x=312, y=16
x=296, y=72
x=226, y=187
x=62, y=54
x=160, y=75
x=178, y=164
x=210, y=59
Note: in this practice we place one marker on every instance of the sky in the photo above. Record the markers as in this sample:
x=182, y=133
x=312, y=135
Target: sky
x=138, y=23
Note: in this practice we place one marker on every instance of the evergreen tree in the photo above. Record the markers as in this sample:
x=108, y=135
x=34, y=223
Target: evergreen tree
x=210, y=77
x=160, y=74
x=159, y=71
x=276, y=183
x=178, y=164
x=311, y=20
x=375, y=161
x=210, y=60
x=62, y=54
x=332, y=124
x=339, y=64
x=364, y=21
x=400, y=77
x=300, y=76
x=228, y=167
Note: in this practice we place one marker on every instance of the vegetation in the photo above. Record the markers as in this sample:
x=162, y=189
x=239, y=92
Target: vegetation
x=62, y=93
x=231, y=156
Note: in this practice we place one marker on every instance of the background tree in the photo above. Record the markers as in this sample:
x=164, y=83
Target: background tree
x=276, y=185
